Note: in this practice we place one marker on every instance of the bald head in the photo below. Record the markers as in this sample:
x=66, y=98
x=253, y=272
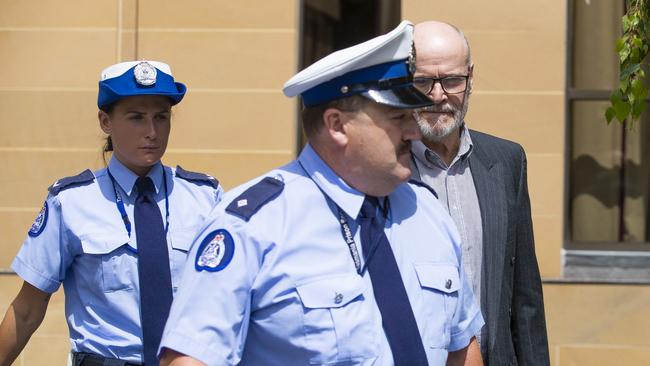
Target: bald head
x=444, y=72
x=439, y=42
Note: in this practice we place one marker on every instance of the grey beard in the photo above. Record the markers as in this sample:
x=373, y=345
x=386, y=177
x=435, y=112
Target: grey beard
x=438, y=134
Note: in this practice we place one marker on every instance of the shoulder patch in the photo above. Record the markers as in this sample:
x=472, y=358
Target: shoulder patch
x=256, y=196
x=84, y=177
x=39, y=223
x=195, y=177
x=215, y=252
x=422, y=184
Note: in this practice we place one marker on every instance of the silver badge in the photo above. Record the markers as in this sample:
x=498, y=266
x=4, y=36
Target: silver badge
x=411, y=60
x=145, y=73
x=213, y=252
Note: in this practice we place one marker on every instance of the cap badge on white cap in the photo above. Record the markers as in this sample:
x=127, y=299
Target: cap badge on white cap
x=380, y=69
x=145, y=73
x=411, y=60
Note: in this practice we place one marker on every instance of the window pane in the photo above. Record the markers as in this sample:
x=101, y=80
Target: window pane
x=597, y=24
x=330, y=25
x=610, y=171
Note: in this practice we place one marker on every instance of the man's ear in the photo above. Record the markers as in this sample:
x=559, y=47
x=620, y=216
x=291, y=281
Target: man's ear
x=470, y=80
x=104, y=122
x=334, y=125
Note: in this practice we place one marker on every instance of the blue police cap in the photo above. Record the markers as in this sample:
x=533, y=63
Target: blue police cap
x=380, y=69
x=138, y=78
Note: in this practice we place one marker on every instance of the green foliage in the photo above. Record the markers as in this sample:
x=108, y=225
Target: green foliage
x=628, y=101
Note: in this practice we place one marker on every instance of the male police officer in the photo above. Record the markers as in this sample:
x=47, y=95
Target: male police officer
x=332, y=258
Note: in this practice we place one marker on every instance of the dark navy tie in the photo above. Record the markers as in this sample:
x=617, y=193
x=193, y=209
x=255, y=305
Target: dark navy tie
x=153, y=269
x=390, y=294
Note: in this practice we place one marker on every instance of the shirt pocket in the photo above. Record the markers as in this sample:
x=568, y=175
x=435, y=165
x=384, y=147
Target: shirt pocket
x=117, y=260
x=180, y=241
x=338, y=321
x=440, y=283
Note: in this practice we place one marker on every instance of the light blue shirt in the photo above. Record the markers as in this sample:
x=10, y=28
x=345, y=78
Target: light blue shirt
x=291, y=294
x=83, y=243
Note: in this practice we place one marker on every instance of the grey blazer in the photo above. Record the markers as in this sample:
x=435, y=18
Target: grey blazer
x=511, y=301
x=513, y=305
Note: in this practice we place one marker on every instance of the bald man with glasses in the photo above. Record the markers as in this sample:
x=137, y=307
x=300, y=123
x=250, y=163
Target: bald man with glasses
x=481, y=181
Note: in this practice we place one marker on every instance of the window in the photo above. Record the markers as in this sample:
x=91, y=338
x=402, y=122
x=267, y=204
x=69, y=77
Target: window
x=608, y=219
x=330, y=25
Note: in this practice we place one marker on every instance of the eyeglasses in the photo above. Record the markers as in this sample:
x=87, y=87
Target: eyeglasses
x=450, y=84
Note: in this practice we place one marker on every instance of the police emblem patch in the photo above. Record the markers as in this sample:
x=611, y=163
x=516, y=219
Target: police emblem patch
x=145, y=73
x=39, y=222
x=215, y=251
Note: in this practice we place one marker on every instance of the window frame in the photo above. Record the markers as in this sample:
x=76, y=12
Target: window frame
x=593, y=262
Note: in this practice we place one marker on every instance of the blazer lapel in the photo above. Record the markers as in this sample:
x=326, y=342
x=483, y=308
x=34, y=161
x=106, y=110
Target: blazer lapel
x=488, y=181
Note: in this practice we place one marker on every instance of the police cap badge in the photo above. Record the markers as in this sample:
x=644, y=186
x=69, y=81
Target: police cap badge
x=145, y=73
x=132, y=78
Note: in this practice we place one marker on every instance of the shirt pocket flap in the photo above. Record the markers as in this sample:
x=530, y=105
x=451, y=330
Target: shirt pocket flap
x=182, y=239
x=438, y=276
x=103, y=243
x=331, y=292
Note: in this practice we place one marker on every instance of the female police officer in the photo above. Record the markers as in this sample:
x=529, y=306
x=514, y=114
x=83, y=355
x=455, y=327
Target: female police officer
x=115, y=238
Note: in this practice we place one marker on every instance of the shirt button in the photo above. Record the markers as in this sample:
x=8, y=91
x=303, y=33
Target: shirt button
x=338, y=298
x=448, y=284
x=512, y=261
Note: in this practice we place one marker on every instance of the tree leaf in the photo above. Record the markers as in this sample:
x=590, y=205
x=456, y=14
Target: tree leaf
x=637, y=88
x=624, y=83
x=622, y=110
x=625, y=52
x=635, y=56
x=638, y=108
x=609, y=114
x=628, y=102
x=629, y=70
x=619, y=44
x=615, y=97
x=626, y=23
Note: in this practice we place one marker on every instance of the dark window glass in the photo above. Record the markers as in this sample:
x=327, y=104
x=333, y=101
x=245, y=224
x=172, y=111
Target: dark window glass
x=609, y=166
x=330, y=25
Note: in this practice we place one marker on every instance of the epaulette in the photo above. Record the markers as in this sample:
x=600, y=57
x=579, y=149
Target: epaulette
x=84, y=177
x=422, y=184
x=195, y=177
x=256, y=196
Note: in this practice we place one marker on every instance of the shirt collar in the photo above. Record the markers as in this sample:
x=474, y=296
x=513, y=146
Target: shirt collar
x=429, y=157
x=466, y=145
x=419, y=150
x=125, y=178
x=345, y=197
